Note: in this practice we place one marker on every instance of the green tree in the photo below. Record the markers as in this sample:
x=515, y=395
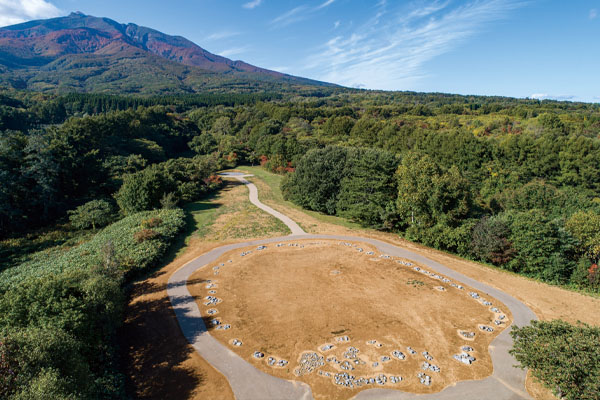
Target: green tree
x=427, y=195
x=36, y=357
x=585, y=227
x=490, y=241
x=566, y=358
x=143, y=190
x=95, y=213
x=203, y=144
x=543, y=247
x=316, y=182
x=368, y=191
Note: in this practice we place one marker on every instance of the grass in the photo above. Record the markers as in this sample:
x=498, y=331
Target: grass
x=18, y=250
x=273, y=181
x=225, y=215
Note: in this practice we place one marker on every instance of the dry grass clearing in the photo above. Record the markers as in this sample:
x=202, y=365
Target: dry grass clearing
x=287, y=300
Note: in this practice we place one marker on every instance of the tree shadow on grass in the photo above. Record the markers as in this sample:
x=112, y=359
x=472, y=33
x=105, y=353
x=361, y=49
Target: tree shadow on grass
x=156, y=352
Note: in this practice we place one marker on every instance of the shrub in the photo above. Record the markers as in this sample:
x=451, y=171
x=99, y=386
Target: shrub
x=127, y=253
x=151, y=223
x=96, y=213
x=144, y=235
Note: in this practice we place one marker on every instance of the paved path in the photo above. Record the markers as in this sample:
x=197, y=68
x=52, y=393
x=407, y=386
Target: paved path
x=247, y=382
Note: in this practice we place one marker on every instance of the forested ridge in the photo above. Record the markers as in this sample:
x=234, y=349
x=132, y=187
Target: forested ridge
x=509, y=182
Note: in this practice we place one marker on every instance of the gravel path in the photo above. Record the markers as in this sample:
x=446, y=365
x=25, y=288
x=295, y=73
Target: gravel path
x=247, y=382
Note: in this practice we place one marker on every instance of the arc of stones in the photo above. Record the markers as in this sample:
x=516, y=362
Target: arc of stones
x=247, y=382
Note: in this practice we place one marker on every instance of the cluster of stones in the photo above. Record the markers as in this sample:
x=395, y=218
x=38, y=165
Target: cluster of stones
x=211, y=300
x=273, y=362
x=312, y=361
x=467, y=335
x=424, y=379
x=465, y=357
x=426, y=366
x=438, y=277
x=348, y=381
x=309, y=362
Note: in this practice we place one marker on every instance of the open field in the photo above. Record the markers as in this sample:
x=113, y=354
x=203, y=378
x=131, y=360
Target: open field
x=286, y=301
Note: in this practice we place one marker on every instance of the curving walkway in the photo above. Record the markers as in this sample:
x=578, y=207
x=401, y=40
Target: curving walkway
x=247, y=382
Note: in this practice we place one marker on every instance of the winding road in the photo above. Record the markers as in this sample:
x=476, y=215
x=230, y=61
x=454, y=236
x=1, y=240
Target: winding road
x=248, y=383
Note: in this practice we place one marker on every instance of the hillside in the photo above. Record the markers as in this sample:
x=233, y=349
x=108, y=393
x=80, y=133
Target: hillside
x=89, y=54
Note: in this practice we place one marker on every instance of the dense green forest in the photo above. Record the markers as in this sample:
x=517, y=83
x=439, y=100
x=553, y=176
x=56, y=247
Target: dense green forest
x=514, y=183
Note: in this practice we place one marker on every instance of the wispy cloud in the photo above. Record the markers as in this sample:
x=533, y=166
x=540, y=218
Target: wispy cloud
x=593, y=13
x=390, y=50
x=234, y=51
x=546, y=96
x=252, y=4
x=219, y=35
x=299, y=13
x=291, y=16
x=17, y=11
x=325, y=4
x=336, y=24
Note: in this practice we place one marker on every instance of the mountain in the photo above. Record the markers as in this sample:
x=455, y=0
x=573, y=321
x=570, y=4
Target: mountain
x=85, y=53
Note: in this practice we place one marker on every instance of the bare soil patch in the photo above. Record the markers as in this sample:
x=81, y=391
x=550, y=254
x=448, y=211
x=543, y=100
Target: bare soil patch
x=287, y=302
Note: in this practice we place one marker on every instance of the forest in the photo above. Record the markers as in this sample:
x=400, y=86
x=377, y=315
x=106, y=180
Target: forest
x=510, y=182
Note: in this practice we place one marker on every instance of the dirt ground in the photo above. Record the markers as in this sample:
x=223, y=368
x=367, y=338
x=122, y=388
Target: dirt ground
x=289, y=300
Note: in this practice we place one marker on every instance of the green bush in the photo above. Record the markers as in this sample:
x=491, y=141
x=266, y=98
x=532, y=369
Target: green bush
x=128, y=253
x=96, y=213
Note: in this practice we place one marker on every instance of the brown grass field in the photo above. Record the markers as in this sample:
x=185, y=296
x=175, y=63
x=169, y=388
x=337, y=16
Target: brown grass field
x=285, y=301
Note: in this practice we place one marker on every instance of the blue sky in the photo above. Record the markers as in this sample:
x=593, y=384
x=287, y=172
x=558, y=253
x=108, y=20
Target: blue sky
x=521, y=48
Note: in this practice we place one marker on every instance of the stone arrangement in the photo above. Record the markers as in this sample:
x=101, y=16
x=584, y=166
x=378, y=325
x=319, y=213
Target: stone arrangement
x=308, y=363
x=311, y=361
x=424, y=379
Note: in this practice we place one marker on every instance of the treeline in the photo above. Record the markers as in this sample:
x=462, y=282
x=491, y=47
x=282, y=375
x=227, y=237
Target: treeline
x=47, y=172
x=500, y=180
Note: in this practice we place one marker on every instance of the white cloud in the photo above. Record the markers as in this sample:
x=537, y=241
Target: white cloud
x=390, y=50
x=336, y=24
x=299, y=13
x=220, y=35
x=233, y=51
x=593, y=13
x=291, y=16
x=252, y=4
x=17, y=11
x=546, y=96
x=325, y=4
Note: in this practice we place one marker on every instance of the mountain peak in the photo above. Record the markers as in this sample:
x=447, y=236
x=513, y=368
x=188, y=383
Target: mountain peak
x=81, y=52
